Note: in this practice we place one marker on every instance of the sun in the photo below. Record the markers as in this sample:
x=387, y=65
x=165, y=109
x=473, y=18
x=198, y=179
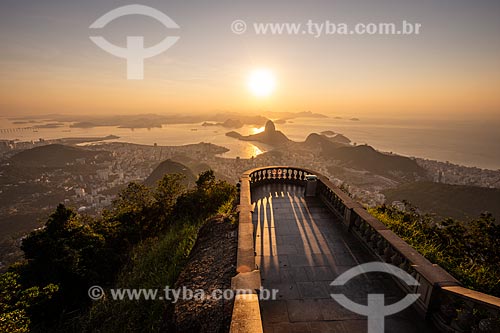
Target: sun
x=261, y=82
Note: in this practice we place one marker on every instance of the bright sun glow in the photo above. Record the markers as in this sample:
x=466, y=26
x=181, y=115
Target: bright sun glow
x=257, y=130
x=262, y=82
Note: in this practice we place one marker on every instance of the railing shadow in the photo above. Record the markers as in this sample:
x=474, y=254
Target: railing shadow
x=449, y=305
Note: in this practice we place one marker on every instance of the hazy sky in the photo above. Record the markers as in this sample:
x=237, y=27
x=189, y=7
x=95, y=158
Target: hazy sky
x=49, y=65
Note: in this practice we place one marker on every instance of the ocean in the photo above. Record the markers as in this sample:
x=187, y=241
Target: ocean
x=470, y=143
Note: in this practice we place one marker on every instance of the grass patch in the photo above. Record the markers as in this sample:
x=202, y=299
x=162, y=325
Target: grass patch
x=467, y=250
x=154, y=264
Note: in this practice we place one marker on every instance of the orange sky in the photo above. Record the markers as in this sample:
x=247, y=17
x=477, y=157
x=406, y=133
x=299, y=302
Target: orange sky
x=50, y=66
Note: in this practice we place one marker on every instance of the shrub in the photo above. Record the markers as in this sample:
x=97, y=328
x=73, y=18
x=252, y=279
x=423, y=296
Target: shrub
x=468, y=250
x=143, y=240
x=154, y=264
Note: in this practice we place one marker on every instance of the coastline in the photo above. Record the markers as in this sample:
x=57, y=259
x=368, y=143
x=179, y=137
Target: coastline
x=464, y=145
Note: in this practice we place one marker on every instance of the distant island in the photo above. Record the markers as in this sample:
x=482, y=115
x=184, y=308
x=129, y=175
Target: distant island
x=291, y=115
x=224, y=119
x=79, y=140
x=229, y=123
x=50, y=125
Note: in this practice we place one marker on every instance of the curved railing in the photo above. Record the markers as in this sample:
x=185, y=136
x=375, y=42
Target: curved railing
x=277, y=174
x=452, y=307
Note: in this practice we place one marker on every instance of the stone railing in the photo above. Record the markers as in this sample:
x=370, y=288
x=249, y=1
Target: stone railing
x=443, y=300
x=246, y=311
x=458, y=309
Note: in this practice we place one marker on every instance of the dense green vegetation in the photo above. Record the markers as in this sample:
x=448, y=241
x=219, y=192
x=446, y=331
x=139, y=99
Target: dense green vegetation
x=467, y=250
x=444, y=200
x=143, y=241
x=153, y=264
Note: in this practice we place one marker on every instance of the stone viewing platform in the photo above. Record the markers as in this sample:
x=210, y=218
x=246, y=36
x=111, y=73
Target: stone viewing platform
x=301, y=248
x=298, y=237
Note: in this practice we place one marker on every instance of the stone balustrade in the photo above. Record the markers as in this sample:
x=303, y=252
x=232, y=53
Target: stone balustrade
x=451, y=307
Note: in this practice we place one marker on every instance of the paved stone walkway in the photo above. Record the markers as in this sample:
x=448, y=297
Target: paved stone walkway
x=302, y=247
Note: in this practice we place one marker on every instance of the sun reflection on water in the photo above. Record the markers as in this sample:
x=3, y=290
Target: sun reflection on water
x=253, y=150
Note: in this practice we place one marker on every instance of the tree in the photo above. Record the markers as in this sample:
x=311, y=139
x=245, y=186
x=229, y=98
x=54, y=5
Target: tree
x=132, y=211
x=205, y=199
x=68, y=253
x=18, y=305
x=169, y=189
x=73, y=252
